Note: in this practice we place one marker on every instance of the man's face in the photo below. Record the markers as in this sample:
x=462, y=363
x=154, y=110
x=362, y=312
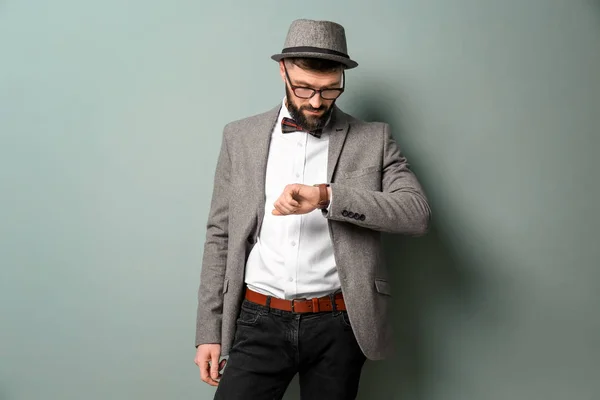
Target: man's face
x=310, y=113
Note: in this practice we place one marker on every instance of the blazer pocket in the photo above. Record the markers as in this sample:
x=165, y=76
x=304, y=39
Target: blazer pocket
x=359, y=172
x=383, y=287
x=225, y=285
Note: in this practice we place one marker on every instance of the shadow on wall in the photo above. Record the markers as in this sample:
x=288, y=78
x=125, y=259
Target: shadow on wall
x=597, y=4
x=423, y=271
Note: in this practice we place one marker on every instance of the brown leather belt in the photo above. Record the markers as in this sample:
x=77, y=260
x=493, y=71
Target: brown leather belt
x=317, y=304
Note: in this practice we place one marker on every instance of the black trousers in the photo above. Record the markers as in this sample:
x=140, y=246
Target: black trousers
x=271, y=346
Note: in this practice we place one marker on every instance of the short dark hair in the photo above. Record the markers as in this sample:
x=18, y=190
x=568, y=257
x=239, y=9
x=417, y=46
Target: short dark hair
x=316, y=64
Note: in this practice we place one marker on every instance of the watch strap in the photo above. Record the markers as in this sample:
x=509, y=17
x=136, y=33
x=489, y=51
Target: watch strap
x=323, y=196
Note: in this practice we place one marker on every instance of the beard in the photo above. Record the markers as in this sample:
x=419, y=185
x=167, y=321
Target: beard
x=309, y=122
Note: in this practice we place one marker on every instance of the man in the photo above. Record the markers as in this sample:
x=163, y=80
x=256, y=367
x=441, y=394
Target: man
x=292, y=278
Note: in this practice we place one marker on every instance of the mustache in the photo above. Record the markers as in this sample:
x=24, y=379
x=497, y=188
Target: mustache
x=310, y=108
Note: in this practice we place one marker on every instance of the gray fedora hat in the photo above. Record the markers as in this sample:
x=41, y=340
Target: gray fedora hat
x=316, y=39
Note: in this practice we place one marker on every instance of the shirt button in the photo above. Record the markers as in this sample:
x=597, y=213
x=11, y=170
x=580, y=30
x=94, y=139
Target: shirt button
x=293, y=243
x=299, y=144
x=297, y=175
x=291, y=279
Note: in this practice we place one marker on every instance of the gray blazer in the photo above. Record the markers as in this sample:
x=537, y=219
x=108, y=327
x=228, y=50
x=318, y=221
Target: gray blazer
x=373, y=191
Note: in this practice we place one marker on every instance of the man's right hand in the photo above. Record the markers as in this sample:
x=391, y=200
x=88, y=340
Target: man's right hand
x=207, y=359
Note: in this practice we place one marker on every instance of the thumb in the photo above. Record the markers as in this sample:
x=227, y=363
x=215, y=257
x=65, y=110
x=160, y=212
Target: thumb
x=292, y=201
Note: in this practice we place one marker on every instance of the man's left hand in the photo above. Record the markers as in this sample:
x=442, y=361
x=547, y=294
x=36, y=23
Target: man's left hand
x=297, y=199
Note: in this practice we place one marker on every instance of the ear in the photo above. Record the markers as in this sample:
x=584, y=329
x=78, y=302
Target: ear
x=281, y=70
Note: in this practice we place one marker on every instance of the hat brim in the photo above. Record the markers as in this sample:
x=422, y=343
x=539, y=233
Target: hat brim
x=348, y=63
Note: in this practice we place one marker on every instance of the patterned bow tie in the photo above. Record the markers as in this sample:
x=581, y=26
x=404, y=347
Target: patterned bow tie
x=289, y=125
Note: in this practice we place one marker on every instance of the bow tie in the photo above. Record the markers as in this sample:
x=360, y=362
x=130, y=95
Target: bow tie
x=289, y=125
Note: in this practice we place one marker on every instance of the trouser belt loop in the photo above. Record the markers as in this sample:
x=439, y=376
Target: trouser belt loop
x=333, y=304
x=268, y=305
x=315, y=305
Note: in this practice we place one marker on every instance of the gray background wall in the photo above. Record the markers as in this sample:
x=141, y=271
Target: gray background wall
x=110, y=119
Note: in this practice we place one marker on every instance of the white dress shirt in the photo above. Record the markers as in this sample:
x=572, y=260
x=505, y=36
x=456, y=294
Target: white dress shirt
x=293, y=254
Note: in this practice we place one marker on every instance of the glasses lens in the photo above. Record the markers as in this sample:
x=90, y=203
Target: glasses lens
x=331, y=94
x=304, y=93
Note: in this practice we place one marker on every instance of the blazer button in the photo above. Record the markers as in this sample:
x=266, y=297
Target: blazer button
x=362, y=217
x=345, y=213
x=350, y=214
x=356, y=216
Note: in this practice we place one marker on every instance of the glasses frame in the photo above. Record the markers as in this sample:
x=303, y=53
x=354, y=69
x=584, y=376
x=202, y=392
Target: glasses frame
x=314, y=91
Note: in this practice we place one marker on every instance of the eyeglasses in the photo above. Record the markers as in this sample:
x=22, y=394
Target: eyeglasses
x=307, y=93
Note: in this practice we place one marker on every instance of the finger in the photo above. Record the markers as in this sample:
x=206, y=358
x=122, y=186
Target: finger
x=221, y=366
x=283, y=210
x=204, y=373
x=277, y=209
x=203, y=367
x=214, y=366
x=291, y=208
x=287, y=202
x=286, y=209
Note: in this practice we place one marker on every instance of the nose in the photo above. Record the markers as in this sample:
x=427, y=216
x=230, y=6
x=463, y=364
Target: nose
x=315, y=101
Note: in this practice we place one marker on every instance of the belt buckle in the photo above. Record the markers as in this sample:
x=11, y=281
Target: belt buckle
x=294, y=300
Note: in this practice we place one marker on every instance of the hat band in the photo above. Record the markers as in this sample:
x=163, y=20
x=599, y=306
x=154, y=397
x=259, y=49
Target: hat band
x=309, y=49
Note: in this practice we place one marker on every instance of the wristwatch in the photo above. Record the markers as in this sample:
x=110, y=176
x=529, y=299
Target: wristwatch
x=323, y=196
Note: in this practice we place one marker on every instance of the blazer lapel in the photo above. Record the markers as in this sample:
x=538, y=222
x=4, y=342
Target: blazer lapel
x=337, y=138
x=260, y=140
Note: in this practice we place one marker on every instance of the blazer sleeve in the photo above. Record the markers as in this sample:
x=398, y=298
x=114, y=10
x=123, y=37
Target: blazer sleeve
x=214, y=260
x=400, y=207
